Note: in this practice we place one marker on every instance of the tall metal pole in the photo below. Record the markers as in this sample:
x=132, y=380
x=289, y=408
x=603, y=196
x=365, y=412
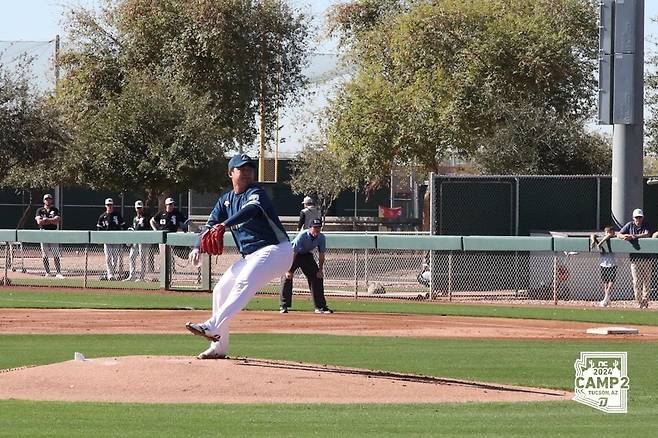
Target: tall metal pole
x=59, y=191
x=627, y=109
x=262, y=103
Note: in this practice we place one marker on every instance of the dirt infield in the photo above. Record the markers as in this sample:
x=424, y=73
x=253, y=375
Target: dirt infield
x=166, y=379
x=81, y=321
x=185, y=379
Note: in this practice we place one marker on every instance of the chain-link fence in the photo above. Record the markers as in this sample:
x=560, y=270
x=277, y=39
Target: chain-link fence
x=84, y=265
x=523, y=277
x=553, y=271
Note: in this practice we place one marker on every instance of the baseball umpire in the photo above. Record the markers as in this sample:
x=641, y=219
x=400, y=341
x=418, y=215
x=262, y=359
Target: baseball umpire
x=48, y=218
x=249, y=214
x=303, y=246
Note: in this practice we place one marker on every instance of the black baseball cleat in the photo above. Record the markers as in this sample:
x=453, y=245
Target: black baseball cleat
x=200, y=330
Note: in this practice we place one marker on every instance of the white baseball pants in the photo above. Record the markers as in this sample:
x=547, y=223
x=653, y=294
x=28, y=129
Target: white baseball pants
x=240, y=283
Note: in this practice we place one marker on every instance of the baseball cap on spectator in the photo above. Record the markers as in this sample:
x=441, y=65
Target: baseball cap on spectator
x=308, y=201
x=169, y=201
x=109, y=201
x=638, y=212
x=139, y=204
x=241, y=160
x=316, y=223
x=47, y=196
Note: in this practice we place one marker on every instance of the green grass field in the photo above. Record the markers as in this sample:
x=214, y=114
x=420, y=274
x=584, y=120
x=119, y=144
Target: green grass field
x=52, y=299
x=532, y=363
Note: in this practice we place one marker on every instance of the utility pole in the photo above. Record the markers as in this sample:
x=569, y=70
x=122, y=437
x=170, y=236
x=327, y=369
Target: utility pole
x=59, y=202
x=621, y=99
x=263, y=97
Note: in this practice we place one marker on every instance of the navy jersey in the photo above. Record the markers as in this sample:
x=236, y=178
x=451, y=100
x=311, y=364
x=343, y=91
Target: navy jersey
x=46, y=213
x=257, y=232
x=110, y=222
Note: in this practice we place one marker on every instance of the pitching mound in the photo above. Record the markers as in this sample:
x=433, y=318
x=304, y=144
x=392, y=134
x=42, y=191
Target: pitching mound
x=171, y=379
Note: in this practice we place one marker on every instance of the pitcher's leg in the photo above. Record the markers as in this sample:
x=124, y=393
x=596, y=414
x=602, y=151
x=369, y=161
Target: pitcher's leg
x=259, y=268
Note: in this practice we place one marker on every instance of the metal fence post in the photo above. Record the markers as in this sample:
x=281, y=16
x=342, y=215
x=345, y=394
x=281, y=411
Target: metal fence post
x=5, y=280
x=450, y=276
x=164, y=266
x=356, y=275
x=206, y=272
x=516, y=274
x=86, y=273
x=555, y=279
x=365, y=267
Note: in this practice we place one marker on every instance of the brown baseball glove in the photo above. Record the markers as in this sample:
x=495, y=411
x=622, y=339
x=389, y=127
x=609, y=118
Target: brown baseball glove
x=212, y=240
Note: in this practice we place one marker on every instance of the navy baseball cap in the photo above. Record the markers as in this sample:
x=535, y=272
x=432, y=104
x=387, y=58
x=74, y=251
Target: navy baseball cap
x=241, y=160
x=316, y=223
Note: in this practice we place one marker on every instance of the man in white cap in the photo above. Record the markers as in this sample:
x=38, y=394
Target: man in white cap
x=169, y=220
x=641, y=263
x=141, y=222
x=111, y=220
x=308, y=214
x=48, y=218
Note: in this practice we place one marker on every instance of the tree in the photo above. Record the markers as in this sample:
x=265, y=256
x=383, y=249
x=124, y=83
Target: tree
x=551, y=145
x=30, y=137
x=651, y=122
x=156, y=93
x=319, y=173
x=441, y=78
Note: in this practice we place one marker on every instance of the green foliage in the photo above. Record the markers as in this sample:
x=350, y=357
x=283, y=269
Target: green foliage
x=30, y=136
x=651, y=117
x=156, y=93
x=441, y=78
x=318, y=172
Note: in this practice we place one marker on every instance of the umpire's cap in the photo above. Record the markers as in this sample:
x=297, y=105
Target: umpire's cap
x=241, y=160
x=316, y=223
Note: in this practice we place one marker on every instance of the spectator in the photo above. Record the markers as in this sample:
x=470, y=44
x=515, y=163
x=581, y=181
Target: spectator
x=303, y=246
x=141, y=222
x=111, y=221
x=608, y=263
x=640, y=263
x=308, y=214
x=169, y=220
x=48, y=218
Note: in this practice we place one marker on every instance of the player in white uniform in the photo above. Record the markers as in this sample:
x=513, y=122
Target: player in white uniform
x=248, y=213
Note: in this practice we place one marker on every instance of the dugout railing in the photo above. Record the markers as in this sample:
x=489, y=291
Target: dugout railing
x=445, y=268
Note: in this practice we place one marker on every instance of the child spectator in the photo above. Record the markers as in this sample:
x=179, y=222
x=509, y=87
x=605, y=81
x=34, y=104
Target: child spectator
x=608, y=264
